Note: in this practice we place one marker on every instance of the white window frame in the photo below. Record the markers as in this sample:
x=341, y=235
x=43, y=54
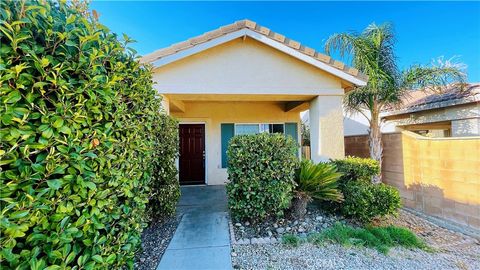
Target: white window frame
x=265, y=123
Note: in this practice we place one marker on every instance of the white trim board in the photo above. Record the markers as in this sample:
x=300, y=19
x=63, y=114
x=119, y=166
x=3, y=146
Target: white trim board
x=265, y=40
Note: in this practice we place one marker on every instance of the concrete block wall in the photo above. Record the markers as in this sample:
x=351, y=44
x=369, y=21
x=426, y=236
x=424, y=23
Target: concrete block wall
x=437, y=176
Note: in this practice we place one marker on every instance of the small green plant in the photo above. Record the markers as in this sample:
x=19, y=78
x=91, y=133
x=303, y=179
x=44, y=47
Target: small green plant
x=291, y=240
x=315, y=181
x=404, y=237
x=261, y=170
x=365, y=201
x=356, y=169
x=379, y=238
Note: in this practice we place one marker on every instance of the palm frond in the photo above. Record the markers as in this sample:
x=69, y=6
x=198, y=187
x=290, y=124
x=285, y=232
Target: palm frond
x=436, y=77
x=319, y=181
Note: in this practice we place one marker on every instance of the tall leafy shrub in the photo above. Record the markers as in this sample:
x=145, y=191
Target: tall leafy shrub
x=261, y=170
x=366, y=201
x=79, y=127
x=363, y=199
x=165, y=188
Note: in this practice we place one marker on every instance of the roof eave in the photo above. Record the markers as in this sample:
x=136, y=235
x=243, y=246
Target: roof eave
x=180, y=54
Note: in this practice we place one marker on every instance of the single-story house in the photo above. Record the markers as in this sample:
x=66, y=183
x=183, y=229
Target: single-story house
x=244, y=78
x=455, y=112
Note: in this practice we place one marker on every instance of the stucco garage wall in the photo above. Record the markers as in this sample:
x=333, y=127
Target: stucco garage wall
x=465, y=118
x=215, y=113
x=466, y=127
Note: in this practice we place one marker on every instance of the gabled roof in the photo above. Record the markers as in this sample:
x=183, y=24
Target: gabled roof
x=418, y=100
x=253, y=30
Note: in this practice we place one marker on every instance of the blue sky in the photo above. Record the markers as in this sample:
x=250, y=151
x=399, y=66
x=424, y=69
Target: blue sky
x=425, y=30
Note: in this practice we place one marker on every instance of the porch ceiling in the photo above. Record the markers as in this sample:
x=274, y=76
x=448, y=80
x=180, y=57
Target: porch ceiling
x=179, y=102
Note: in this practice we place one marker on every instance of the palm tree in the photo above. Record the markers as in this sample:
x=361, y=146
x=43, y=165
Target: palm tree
x=372, y=52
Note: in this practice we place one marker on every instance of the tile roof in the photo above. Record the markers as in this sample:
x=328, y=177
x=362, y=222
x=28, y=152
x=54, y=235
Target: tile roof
x=247, y=24
x=418, y=100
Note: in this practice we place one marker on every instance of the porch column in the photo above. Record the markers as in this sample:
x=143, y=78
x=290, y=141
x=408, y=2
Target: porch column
x=326, y=128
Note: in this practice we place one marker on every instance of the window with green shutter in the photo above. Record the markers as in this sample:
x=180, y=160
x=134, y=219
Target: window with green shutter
x=227, y=132
x=292, y=130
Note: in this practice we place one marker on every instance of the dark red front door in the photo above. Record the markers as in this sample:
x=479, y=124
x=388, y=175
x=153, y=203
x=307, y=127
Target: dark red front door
x=192, y=154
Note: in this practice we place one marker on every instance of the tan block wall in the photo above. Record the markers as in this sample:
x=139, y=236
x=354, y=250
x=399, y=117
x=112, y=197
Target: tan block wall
x=437, y=176
x=356, y=146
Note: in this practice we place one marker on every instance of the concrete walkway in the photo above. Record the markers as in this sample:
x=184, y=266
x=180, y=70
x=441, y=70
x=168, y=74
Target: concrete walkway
x=202, y=239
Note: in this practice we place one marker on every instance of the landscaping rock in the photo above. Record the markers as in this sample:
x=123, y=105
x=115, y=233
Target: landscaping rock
x=452, y=250
x=315, y=220
x=155, y=240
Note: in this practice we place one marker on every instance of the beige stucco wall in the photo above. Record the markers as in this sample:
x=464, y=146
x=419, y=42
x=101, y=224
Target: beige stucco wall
x=215, y=113
x=243, y=66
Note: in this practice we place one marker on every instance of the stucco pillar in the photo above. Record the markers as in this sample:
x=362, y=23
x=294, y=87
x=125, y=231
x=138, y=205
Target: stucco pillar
x=326, y=128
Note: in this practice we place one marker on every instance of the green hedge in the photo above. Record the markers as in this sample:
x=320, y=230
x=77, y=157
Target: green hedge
x=261, y=170
x=164, y=183
x=79, y=127
x=366, y=201
x=357, y=169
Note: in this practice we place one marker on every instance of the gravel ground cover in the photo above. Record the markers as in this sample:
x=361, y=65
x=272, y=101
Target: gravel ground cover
x=155, y=240
x=308, y=256
x=314, y=221
x=452, y=250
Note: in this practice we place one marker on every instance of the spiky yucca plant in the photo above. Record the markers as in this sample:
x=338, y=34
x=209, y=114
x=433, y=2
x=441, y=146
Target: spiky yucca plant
x=315, y=181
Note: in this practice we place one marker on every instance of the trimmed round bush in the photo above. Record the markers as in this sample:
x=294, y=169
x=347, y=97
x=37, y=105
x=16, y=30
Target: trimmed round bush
x=83, y=141
x=366, y=201
x=356, y=169
x=261, y=170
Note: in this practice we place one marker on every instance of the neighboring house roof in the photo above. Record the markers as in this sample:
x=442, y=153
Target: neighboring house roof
x=253, y=30
x=418, y=100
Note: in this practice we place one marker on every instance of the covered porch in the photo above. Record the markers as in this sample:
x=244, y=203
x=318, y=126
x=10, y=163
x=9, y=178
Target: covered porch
x=208, y=121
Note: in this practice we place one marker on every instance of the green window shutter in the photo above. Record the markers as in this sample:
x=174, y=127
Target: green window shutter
x=227, y=132
x=292, y=130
